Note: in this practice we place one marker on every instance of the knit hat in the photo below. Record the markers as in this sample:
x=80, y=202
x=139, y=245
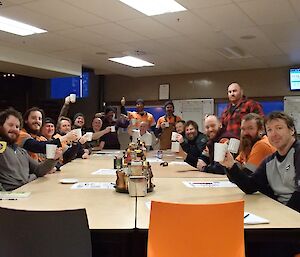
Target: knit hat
x=49, y=120
x=140, y=101
x=109, y=109
x=77, y=115
x=169, y=102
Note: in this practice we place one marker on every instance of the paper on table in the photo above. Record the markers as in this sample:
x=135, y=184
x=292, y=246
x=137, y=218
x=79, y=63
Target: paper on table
x=107, y=151
x=148, y=204
x=194, y=184
x=179, y=163
x=6, y=195
x=104, y=172
x=93, y=185
x=151, y=160
x=252, y=219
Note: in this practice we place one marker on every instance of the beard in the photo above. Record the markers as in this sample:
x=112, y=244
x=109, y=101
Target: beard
x=247, y=143
x=31, y=131
x=4, y=136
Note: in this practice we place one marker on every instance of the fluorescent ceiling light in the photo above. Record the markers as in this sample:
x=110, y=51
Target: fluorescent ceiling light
x=18, y=28
x=131, y=61
x=154, y=7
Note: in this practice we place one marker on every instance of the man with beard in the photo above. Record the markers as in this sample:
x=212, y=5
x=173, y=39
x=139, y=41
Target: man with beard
x=16, y=166
x=193, y=143
x=30, y=136
x=238, y=107
x=166, y=125
x=216, y=133
x=255, y=146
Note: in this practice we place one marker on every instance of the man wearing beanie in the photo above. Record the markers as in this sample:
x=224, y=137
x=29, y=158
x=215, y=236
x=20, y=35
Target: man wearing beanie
x=79, y=121
x=140, y=115
x=166, y=125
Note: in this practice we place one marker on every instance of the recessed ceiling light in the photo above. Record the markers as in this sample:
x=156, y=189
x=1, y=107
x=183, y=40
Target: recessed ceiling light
x=18, y=28
x=154, y=7
x=131, y=61
x=248, y=37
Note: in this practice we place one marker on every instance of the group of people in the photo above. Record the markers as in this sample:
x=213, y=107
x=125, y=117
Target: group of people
x=268, y=159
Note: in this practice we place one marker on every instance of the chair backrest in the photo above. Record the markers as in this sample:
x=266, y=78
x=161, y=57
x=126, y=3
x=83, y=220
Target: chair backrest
x=195, y=230
x=44, y=233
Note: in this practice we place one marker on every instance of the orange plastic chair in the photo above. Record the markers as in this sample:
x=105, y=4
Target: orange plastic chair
x=195, y=230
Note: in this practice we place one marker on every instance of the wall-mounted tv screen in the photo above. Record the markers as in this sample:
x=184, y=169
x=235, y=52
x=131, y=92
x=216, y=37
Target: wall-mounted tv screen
x=62, y=87
x=295, y=79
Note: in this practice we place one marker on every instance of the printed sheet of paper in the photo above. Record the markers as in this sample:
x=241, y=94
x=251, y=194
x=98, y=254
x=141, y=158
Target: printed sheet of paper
x=104, y=172
x=179, y=163
x=153, y=160
x=252, y=219
x=93, y=185
x=8, y=195
x=196, y=184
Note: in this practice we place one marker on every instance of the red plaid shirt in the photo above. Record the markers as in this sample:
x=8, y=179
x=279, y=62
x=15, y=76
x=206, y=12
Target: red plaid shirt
x=232, y=115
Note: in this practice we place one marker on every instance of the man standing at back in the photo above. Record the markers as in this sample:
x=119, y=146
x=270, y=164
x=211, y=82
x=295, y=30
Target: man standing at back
x=238, y=107
x=166, y=125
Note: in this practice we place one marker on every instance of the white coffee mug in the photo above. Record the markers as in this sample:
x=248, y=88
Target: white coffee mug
x=233, y=145
x=112, y=129
x=220, y=151
x=50, y=151
x=167, y=124
x=174, y=136
x=89, y=136
x=78, y=132
x=175, y=147
x=72, y=98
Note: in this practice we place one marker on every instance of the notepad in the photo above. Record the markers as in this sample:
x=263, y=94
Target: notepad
x=196, y=184
x=179, y=163
x=253, y=219
x=8, y=195
x=93, y=185
x=104, y=172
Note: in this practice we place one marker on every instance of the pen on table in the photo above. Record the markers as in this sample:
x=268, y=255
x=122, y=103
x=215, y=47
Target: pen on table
x=11, y=199
x=246, y=215
x=202, y=183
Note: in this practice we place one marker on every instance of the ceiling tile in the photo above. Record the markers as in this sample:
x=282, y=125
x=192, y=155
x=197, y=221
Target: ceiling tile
x=269, y=11
x=192, y=4
x=260, y=45
x=65, y=12
x=224, y=17
x=42, y=21
x=116, y=32
x=148, y=27
x=184, y=22
x=111, y=10
x=282, y=32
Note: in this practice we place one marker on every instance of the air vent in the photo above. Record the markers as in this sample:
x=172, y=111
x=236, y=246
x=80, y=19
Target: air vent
x=233, y=52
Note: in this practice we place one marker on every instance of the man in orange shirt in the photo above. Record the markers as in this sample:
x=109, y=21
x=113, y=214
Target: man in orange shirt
x=166, y=125
x=140, y=115
x=30, y=137
x=255, y=146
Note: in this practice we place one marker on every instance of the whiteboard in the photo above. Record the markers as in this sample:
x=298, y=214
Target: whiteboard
x=194, y=109
x=292, y=107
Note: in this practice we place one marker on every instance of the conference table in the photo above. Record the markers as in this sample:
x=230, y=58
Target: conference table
x=119, y=222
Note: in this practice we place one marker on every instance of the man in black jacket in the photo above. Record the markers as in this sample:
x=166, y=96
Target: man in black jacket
x=193, y=143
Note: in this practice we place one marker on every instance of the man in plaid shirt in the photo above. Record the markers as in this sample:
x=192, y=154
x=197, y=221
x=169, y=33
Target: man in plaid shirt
x=238, y=107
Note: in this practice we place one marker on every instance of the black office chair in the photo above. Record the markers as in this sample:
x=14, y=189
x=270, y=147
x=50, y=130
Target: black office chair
x=44, y=233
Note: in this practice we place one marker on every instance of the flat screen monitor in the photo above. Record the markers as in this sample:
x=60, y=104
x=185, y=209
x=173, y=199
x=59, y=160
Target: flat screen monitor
x=295, y=79
x=62, y=87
